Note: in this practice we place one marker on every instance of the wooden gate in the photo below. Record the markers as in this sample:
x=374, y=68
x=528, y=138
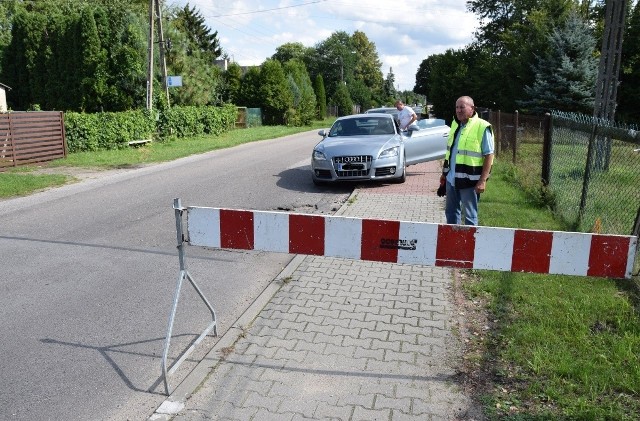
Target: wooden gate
x=31, y=137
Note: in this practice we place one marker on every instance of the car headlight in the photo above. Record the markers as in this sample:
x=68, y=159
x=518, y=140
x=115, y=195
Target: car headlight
x=389, y=153
x=319, y=156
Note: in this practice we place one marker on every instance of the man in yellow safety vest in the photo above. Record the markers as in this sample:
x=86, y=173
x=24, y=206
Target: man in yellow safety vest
x=467, y=163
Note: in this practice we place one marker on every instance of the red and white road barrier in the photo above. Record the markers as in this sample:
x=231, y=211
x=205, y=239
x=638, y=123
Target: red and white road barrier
x=421, y=243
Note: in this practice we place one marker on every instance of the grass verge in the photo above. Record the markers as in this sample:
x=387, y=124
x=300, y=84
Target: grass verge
x=548, y=347
x=20, y=183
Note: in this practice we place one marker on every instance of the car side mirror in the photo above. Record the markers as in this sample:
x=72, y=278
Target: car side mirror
x=323, y=133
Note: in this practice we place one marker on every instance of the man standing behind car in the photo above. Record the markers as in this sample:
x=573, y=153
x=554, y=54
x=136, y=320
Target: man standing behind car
x=467, y=162
x=407, y=117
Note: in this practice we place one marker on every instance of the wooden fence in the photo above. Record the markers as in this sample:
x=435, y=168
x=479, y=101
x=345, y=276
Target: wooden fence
x=512, y=128
x=31, y=137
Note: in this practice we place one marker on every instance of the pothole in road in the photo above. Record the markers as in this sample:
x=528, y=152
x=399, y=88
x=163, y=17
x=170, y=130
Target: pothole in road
x=318, y=208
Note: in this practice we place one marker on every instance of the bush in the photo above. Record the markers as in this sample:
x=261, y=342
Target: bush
x=190, y=121
x=105, y=131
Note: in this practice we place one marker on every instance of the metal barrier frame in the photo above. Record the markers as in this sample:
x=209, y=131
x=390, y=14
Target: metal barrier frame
x=458, y=246
x=184, y=274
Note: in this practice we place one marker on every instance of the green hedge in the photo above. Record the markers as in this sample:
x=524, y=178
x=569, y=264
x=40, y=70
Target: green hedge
x=104, y=131
x=189, y=121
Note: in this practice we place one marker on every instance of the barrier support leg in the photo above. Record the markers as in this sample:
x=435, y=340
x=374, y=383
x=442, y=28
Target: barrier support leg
x=184, y=274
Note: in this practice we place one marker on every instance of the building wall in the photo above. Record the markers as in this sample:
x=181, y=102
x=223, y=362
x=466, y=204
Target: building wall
x=3, y=100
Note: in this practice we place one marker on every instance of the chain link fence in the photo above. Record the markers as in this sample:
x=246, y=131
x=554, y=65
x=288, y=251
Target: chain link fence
x=594, y=172
x=591, y=166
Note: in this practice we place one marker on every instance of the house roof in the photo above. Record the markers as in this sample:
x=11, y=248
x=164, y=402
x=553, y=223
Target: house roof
x=7, y=87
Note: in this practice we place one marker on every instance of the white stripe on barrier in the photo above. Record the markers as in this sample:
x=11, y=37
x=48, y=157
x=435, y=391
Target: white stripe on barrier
x=342, y=237
x=570, y=254
x=423, y=251
x=503, y=249
x=493, y=250
x=203, y=225
x=272, y=231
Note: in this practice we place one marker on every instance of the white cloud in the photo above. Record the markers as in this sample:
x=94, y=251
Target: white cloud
x=404, y=33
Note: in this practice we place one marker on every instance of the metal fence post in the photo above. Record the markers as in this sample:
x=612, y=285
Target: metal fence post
x=587, y=175
x=515, y=136
x=546, y=150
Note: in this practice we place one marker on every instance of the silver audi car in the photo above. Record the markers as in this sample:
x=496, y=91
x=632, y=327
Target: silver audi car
x=371, y=147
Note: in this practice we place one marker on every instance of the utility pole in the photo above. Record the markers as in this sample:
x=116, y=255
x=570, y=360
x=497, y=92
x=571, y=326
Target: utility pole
x=163, y=46
x=155, y=12
x=611, y=52
x=150, y=57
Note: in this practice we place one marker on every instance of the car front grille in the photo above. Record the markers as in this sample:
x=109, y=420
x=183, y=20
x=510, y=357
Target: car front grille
x=352, y=166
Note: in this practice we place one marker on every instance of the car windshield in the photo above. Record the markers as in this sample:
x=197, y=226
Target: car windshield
x=363, y=126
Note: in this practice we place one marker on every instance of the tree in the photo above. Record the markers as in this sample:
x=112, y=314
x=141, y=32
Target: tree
x=275, y=95
x=335, y=60
x=127, y=65
x=248, y=94
x=291, y=50
x=367, y=65
x=351, y=59
x=304, y=99
x=94, y=67
x=629, y=90
x=321, y=97
x=450, y=73
x=504, y=26
x=202, y=83
x=200, y=38
x=423, y=77
x=8, y=9
x=389, y=90
x=361, y=94
x=342, y=100
x=565, y=76
x=68, y=55
x=232, y=80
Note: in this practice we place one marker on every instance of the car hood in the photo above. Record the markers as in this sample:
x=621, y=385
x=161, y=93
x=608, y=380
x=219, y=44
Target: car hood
x=357, y=145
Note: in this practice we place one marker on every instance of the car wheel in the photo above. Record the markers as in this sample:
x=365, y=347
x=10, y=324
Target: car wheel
x=403, y=178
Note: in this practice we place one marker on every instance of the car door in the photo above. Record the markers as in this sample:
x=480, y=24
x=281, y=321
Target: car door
x=427, y=144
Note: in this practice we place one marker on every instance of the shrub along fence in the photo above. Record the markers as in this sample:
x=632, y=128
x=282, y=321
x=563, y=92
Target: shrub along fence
x=40, y=136
x=590, y=165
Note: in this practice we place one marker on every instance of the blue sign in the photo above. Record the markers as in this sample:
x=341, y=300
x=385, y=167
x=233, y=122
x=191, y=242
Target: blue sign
x=174, y=81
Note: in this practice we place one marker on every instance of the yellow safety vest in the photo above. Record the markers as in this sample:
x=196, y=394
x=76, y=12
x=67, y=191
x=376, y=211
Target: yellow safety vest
x=469, y=158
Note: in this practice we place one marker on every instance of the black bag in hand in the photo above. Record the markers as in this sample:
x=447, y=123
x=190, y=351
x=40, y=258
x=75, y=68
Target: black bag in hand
x=442, y=190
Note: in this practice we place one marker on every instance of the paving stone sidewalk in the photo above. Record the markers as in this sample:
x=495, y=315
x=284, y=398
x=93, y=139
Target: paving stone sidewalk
x=344, y=339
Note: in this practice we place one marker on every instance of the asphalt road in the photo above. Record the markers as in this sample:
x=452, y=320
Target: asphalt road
x=88, y=271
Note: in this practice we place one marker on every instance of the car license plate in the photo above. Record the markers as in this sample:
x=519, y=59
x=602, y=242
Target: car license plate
x=352, y=167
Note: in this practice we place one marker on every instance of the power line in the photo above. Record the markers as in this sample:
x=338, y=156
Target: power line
x=269, y=10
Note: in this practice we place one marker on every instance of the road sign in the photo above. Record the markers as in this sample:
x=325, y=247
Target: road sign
x=174, y=81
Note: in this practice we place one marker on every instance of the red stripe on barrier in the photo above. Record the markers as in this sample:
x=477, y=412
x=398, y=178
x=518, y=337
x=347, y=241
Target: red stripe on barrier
x=456, y=246
x=380, y=240
x=236, y=229
x=306, y=234
x=531, y=251
x=608, y=256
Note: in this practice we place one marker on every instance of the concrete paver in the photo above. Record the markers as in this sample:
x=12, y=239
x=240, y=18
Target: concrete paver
x=342, y=339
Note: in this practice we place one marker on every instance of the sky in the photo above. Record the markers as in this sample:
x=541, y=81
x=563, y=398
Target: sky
x=404, y=33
